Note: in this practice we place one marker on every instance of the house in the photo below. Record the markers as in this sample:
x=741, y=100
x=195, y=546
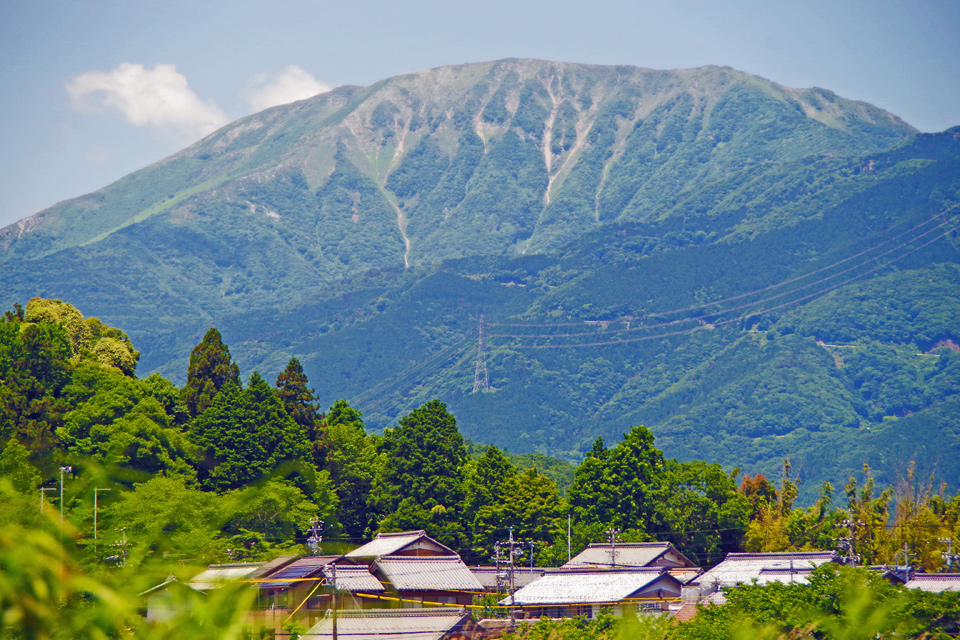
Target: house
x=934, y=582
x=563, y=593
x=632, y=554
x=287, y=586
x=746, y=568
x=169, y=599
x=405, y=543
x=356, y=586
x=172, y=597
x=423, y=581
x=492, y=578
x=395, y=624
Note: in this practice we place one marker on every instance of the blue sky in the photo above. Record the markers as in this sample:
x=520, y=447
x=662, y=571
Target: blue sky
x=96, y=89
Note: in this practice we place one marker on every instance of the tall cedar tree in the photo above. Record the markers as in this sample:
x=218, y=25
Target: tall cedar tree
x=210, y=368
x=298, y=399
x=425, y=458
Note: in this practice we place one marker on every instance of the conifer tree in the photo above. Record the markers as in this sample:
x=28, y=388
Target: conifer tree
x=210, y=368
x=298, y=399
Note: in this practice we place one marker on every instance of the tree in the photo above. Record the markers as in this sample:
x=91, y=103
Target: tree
x=530, y=504
x=245, y=434
x=298, y=399
x=622, y=486
x=422, y=473
x=209, y=370
x=349, y=456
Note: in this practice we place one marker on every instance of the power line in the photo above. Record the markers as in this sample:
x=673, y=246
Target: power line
x=752, y=304
x=627, y=320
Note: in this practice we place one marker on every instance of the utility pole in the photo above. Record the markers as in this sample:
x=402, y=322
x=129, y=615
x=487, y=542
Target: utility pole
x=42, y=489
x=512, y=552
x=949, y=557
x=334, y=578
x=569, y=517
x=316, y=526
x=906, y=562
x=481, y=378
x=847, y=544
x=613, y=536
x=62, y=470
x=96, y=491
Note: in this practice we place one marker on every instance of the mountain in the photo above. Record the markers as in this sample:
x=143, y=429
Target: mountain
x=366, y=229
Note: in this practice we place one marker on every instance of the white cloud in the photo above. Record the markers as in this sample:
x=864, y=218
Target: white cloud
x=157, y=97
x=290, y=85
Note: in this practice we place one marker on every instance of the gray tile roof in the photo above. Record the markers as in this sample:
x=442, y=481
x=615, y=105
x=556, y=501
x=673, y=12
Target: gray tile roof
x=742, y=568
x=521, y=576
x=390, y=624
x=386, y=544
x=441, y=573
x=354, y=579
x=934, y=582
x=632, y=554
x=597, y=586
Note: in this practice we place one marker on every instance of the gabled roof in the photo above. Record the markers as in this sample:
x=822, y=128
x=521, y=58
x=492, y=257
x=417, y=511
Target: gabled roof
x=596, y=586
x=354, y=579
x=386, y=544
x=441, y=573
x=390, y=624
x=934, y=582
x=170, y=581
x=742, y=568
x=632, y=554
x=521, y=576
x=216, y=575
x=288, y=575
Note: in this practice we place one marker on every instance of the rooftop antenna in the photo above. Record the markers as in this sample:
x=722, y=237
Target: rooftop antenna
x=481, y=378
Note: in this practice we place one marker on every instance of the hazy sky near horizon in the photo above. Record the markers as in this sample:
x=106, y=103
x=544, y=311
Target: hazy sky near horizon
x=96, y=89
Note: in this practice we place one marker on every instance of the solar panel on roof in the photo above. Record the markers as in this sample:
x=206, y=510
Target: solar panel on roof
x=285, y=577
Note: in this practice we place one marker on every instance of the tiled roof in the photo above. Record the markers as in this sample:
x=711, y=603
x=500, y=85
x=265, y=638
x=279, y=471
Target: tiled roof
x=354, y=579
x=441, y=573
x=742, y=568
x=389, y=624
x=596, y=586
x=521, y=576
x=386, y=544
x=634, y=554
x=216, y=574
x=286, y=576
x=934, y=582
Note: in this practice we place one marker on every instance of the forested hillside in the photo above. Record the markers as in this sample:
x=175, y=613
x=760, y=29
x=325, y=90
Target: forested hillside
x=751, y=271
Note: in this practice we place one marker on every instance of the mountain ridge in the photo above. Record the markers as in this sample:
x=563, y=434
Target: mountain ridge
x=365, y=230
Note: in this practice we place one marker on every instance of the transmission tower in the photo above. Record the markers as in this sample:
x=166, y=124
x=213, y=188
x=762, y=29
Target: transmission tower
x=481, y=378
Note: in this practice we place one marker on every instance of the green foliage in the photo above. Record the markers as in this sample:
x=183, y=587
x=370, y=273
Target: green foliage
x=210, y=369
x=245, y=434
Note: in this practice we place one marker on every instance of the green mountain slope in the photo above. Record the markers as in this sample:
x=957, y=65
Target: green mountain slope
x=365, y=230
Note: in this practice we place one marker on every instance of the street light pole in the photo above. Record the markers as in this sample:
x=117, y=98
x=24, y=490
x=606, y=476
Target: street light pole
x=42, y=489
x=62, y=471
